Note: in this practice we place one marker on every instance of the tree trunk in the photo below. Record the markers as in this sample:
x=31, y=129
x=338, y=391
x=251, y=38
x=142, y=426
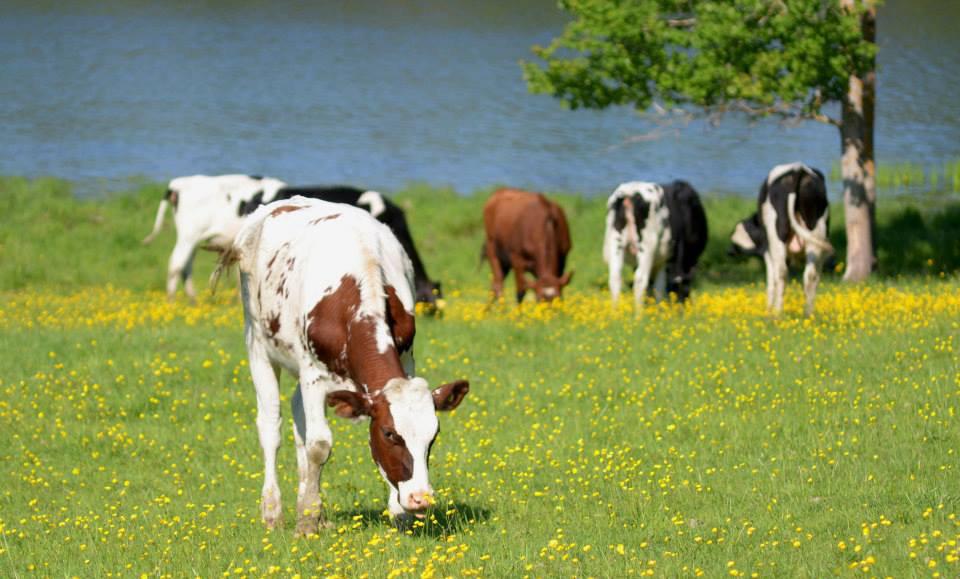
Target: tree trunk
x=857, y=164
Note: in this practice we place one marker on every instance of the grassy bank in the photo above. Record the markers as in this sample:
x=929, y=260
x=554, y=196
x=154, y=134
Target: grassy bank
x=710, y=441
x=50, y=239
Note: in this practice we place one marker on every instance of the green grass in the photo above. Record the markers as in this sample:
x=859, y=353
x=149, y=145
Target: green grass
x=50, y=239
x=909, y=177
x=713, y=440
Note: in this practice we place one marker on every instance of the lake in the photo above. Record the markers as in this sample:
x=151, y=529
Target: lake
x=381, y=94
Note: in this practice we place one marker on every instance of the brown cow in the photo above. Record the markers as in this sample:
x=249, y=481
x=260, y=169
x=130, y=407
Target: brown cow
x=527, y=232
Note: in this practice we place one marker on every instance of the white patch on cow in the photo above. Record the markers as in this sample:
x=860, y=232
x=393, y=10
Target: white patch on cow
x=270, y=188
x=549, y=292
x=741, y=238
x=374, y=201
x=415, y=418
x=781, y=170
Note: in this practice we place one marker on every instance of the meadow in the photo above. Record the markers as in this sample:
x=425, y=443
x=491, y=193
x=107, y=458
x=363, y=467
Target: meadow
x=706, y=441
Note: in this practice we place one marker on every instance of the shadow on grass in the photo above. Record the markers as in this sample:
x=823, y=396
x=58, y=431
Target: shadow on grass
x=439, y=522
x=915, y=237
x=919, y=240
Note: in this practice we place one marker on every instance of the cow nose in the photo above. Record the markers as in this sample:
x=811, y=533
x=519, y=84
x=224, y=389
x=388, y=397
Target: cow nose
x=420, y=500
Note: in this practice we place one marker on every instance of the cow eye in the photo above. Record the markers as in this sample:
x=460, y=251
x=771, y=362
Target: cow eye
x=392, y=436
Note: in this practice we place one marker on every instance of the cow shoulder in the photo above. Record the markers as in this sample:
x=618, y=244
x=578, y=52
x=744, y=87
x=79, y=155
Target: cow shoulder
x=327, y=322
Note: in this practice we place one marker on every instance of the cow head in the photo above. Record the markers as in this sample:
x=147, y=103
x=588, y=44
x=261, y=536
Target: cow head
x=403, y=426
x=748, y=237
x=549, y=287
x=428, y=291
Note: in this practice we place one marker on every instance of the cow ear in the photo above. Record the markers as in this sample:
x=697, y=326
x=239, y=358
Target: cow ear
x=349, y=404
x=449, y=396
x=565, y=278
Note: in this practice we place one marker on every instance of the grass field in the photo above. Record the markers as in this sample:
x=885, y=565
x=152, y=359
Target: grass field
x=709, y=441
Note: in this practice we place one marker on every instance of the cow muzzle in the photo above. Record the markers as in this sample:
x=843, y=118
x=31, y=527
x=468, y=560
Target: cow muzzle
x=417, y=502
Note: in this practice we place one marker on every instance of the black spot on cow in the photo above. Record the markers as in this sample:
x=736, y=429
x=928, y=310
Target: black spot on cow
x=249, y=206
x=641, y=208
x=274, y=324
x=172, y=197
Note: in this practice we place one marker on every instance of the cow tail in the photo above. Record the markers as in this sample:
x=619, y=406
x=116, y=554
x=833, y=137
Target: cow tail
x=241, y=250
x=633, y=241
x=228, y=257
x=802, y=232
x=158, y=222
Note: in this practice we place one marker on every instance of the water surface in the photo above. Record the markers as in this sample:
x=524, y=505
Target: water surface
x=380, y=94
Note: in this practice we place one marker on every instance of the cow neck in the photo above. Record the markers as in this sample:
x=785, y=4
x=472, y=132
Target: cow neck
x=366, y=364
x=345, y=339
x=549, y=265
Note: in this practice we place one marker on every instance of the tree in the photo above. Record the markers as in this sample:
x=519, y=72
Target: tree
x=783, y=58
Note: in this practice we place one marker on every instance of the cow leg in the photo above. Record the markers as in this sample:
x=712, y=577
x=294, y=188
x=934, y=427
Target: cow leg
x=811, y=273
x=771, y=286
x=614, y=280
x=265, y=380
x=778, y=258
x=811, y=279
x=187, y=276
x=660, y=284
x=408, y=363
x=641, y=276
x=498, y=273
x=398, y=513
x=180, y=265
x=519, y=274
x=777, y=248
x=314, y=441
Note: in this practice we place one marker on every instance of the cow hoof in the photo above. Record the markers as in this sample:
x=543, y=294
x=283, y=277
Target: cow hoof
x=273, y=522
x=311, y=526
x=271, y=512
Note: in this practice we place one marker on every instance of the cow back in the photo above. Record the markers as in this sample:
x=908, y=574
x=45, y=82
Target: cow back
x=295, y=253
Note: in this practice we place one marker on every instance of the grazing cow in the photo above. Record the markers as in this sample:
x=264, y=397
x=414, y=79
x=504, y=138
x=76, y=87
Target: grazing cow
x=385, y=211
x=792, y=220
x=663, y=229
x=328, y=297
x=527, y=232
x=208, y=210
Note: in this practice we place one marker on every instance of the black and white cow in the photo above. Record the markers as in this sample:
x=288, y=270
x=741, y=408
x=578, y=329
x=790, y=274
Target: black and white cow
x=388, y=213
x=663, y=229
x=792, y=220
x=209, y=210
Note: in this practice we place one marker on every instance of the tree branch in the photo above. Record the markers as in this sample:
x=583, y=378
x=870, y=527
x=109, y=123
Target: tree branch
x=788, y=114
x=681, y=22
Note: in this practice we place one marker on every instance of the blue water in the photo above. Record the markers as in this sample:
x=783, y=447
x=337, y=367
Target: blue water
x=384, y=94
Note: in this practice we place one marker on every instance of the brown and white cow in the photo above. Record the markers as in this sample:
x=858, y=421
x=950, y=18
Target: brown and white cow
x=328, y=297
x=527, y=232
